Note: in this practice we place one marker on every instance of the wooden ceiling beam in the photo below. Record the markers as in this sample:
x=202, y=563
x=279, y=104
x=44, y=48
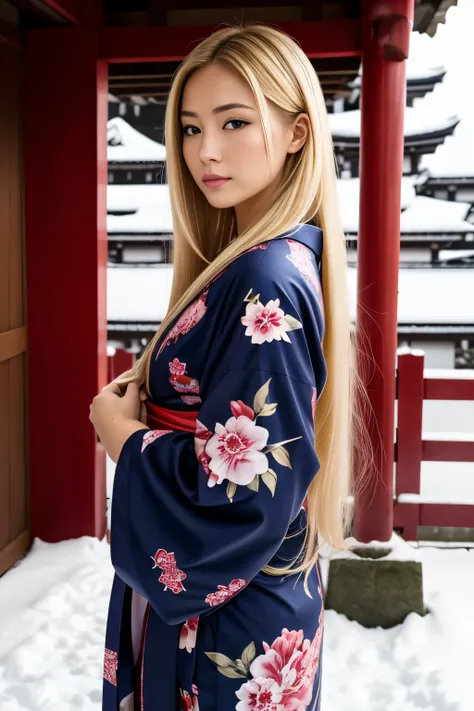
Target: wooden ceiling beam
x=334, y=38
x=68, y=10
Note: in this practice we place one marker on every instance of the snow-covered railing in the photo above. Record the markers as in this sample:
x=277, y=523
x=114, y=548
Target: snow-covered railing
x=412, y=447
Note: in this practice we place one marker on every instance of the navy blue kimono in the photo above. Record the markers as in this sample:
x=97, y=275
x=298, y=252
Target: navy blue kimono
x=196, y=515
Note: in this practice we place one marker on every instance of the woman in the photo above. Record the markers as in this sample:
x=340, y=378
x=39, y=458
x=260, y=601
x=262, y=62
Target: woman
x=221, y=499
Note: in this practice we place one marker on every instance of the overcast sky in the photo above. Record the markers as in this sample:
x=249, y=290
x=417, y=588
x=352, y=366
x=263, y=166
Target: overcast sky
x=453, y=47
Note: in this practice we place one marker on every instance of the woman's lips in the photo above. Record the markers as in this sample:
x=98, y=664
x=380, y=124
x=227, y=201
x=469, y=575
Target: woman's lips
x=216, y=183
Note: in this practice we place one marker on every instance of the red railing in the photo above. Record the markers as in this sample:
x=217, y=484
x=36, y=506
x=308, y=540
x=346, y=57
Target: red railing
x=411, y=448
x=119, y=363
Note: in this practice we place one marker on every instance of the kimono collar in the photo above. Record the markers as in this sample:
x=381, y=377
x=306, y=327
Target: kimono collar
x=310, y=235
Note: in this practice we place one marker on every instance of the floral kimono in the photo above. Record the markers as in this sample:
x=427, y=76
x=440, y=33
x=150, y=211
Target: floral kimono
x=215, y=491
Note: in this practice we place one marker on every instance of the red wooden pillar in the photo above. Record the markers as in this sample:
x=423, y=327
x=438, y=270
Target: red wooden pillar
x=65, y=125
x=386, y=28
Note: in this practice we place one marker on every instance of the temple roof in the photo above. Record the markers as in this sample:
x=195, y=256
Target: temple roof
x=141, y=295
x=420, y=214
x=146, y=210
x=345, y=126
x=127, y=145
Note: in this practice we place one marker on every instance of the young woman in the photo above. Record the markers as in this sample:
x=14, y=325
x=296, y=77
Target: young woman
x=225, y=489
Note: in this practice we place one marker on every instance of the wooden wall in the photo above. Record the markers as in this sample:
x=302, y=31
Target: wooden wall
x=14, y=487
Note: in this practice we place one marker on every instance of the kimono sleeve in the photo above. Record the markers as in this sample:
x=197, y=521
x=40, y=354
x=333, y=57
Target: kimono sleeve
x=196, y=516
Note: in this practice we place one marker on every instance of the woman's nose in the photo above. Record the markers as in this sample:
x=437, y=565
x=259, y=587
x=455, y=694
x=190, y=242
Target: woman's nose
x=209, y=149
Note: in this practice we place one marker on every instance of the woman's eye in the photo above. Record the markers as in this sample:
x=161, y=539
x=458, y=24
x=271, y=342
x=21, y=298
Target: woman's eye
x=238, y=121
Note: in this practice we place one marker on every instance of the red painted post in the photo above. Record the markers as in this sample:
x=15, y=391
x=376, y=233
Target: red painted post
x=65, y=137
x=409, y=440
x=385, y=36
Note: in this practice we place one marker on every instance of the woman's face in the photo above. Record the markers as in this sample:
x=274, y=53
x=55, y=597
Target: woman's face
x=223, y=138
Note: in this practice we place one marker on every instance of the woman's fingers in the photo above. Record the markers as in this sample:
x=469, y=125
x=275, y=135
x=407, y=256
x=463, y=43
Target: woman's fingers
x=113, y=387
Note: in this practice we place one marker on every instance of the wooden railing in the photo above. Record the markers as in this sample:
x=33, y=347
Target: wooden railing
x=412, y=447
x=119, y=363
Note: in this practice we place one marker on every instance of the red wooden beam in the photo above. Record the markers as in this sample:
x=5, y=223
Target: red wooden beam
x=447, y=451
x=334, y=38
x=65, y=158
x=448, y=389
x=411, y=515
x=456, y=515
x=67, y=9
x=408, y=454
x=385, y=28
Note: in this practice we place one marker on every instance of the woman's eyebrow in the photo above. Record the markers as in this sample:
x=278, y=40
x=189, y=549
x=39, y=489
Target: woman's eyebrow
x=220, y=109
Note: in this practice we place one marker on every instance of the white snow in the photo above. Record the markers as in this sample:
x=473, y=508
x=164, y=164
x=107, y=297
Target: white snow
x=453, y=46
x=138, y=293
x=429, y=296
x=419, y=213
x=427, y=214
x=348, y=190
x=130, y=198
x=418, y=122
x=455, y=157
x=425, y=296
x=51, y=641
x=150, y=219
x=127, y=145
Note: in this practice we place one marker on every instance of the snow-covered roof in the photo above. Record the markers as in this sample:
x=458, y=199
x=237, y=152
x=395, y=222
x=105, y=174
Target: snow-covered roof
x=455, y=157
x=416, y=72
x=349, y=191
x=420, y=214
x=444, y=255
x=138, y=294
x=429, y=296
x=127, y=145
x=125, y=198
x=150, y=219
x=426, y=214
x=426, y=296
x=418, y=122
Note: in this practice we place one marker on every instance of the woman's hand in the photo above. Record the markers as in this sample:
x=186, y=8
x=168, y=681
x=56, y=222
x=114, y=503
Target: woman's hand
x=116, y=417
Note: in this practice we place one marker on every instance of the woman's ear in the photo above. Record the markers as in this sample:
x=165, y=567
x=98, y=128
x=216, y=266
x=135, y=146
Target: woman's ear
x=299, y=133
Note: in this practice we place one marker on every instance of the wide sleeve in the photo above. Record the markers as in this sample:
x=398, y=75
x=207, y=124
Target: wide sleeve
x=195, y=516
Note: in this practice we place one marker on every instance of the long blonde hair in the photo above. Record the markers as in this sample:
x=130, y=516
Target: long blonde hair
x=205, y=241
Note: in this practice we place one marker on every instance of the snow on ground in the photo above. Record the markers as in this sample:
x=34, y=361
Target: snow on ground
x=54, y=606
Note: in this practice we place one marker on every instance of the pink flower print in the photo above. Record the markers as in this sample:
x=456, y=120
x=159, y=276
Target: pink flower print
x=313, y=401
x=187, y=637
x=150, y=436
x=110, y=666
x=234, y=451
x=176, y=367
x=291, y=662
x=225, y=592
x=171, y=576
x=191, y=399
x=201, y=437
x=301, y=258
x=188, y=702
x=188, y=319
x=266, y=323
x=240, y=408
x=183, y=383
x=260, y=695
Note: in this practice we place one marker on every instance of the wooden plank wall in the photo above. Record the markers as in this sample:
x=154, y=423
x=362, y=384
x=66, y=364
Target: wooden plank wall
x=14, y=488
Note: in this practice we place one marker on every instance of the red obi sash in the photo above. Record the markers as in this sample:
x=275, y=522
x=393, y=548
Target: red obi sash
x=162, y=418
